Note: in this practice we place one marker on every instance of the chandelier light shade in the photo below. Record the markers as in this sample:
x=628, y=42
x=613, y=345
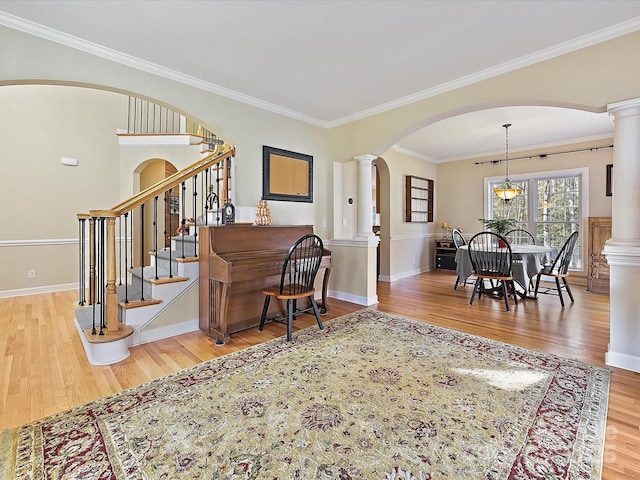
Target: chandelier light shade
x=506, y=191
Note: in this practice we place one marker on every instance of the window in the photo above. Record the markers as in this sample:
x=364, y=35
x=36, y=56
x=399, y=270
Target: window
x=551, y=207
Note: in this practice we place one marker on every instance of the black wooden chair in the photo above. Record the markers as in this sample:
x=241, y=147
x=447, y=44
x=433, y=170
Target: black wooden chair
x=558, y=269
x=296, y=281
x=519, y=236
x=458, y=241
x=492, y=262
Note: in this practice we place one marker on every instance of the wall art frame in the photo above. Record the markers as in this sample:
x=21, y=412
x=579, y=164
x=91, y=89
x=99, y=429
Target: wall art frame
x=286, y=175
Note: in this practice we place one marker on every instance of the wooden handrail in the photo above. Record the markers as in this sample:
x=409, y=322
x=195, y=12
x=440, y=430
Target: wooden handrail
x=221, y=153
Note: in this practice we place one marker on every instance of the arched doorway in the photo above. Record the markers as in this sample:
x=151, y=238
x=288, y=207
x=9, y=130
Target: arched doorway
x=149, y=173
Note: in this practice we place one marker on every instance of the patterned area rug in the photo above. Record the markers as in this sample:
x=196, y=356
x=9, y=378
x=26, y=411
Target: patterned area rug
x=373, y=396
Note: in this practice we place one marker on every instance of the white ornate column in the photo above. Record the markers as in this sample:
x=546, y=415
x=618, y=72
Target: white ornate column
x=354, y=276
x=623, y=248
x=365, y=197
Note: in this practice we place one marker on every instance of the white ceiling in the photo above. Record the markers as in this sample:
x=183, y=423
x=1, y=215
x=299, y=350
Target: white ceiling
x=330, y=62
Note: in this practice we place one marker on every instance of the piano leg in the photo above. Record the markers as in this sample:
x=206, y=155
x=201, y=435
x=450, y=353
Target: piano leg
x=219, y=326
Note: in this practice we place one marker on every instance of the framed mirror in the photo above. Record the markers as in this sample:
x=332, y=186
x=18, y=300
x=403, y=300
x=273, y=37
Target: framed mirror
x=286, y=176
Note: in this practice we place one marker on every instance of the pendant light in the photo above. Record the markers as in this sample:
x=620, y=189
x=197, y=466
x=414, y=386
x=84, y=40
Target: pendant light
x=506, y=191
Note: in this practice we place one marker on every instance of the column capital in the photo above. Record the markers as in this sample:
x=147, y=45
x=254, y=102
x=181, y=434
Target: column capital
x=366, y=158
x=627, y=106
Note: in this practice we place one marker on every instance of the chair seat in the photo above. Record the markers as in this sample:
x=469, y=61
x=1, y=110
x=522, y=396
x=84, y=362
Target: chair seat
x=288, y=291
x=546, y=269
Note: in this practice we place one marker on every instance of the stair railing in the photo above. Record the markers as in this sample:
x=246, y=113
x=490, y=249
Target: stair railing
x=148, y=118
x=111, y=236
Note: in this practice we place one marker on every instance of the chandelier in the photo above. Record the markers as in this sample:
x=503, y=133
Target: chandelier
x=506, y=191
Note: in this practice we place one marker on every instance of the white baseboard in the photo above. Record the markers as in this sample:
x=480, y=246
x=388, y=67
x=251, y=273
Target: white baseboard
x=401, y=275
x=160, y=333
x=623, y=360
x=347, y=297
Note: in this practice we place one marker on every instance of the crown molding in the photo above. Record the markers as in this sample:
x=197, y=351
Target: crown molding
x=411, y=153
x=56, y=36
x=594, y=38
x=110, y=54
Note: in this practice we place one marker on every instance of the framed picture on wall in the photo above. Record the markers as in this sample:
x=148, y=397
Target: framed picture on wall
x=286, y=175
x=609, y=176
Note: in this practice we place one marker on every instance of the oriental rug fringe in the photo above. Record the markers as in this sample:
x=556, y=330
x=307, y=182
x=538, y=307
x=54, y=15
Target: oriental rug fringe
x=373, y=396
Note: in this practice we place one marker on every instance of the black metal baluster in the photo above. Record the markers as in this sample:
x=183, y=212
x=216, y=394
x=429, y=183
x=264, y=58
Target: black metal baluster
x=131, y=266
x=81, y=292
x=142, y=252
x=155, y=233
x=220, y=200
x=126, y=260
x=93, y=280
x=171, y=226
x=207, y=205
x=195, y=203
x=183, y=222
x=101, y=276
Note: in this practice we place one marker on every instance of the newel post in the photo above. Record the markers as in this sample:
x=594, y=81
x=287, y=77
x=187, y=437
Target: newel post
x=111, y=294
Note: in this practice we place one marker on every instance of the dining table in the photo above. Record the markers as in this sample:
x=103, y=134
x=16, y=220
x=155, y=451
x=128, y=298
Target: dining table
x=526, y=262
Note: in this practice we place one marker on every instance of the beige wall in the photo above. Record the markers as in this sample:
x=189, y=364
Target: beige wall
x=588, y=79
x=38, y=126
x=409, y=245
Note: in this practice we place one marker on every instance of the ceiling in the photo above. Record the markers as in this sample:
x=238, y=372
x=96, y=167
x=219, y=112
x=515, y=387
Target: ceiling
x=329, y=62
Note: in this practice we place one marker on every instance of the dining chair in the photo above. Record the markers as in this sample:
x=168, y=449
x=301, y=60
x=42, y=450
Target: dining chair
x=519, y=236
x=458, y=241
x=558, y=269
x=491, y=261
x=296, y=281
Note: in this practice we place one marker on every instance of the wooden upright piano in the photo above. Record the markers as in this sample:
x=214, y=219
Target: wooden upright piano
x=236, y=263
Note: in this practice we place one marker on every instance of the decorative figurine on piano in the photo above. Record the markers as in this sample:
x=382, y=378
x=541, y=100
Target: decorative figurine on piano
x=263, y=213
x=228, y=214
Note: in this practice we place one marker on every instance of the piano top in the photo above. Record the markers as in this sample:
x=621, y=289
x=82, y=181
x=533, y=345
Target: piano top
x=227, y=240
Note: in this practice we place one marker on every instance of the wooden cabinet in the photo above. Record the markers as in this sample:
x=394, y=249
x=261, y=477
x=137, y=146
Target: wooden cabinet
x=418, y=199
x=445, y=255
x=599, y=233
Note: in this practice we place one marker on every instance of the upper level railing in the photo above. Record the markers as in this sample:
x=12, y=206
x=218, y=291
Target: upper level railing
x=148, y=118
x=116, y=241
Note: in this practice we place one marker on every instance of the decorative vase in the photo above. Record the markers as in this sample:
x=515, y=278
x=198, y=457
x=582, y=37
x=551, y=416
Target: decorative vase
x=263, y=214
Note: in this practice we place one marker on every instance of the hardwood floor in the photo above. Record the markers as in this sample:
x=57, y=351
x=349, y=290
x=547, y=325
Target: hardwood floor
x=44, y=368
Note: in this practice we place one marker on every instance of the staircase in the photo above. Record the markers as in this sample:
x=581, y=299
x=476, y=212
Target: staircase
x=169, y=306
x=130, y=292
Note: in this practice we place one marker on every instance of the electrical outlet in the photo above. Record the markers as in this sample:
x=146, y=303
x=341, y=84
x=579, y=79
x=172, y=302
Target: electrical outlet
x=31, y=273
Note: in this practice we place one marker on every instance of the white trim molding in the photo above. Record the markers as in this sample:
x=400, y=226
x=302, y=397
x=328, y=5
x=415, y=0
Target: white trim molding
x=38, y=242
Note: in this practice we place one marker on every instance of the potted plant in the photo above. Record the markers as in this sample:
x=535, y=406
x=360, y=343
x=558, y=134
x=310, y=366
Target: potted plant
x=499, y=225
